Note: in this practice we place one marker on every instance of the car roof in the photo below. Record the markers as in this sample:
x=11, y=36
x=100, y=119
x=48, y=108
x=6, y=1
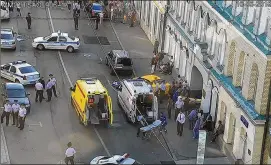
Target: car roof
x=91, y=85
x=6, y=31
x=19, y=64
x=59, y=34
x=137, y=86
x=14, y=86
x=121, y=53
x=96, y=4
x=114, y=159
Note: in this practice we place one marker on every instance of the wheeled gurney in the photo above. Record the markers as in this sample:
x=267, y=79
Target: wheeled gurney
x=155, y=126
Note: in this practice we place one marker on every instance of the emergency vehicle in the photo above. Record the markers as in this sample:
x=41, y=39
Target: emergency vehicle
x=20, y=72
x=92, y=102
x=136, y=98
x=116, y=159
x=58, y=41
x=5, y=15
x=9, y=38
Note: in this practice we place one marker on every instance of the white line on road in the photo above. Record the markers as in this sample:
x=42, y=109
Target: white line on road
x=71, y=84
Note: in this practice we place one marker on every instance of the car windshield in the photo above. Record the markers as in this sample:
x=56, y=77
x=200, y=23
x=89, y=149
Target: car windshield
x=6, y=36
x=72, y=37
x=27, y=69
x=124, y=61
x=97, y=7
x=47, y=37
x=16, y=93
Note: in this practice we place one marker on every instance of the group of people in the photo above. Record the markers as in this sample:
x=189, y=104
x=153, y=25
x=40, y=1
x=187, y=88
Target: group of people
x=49, y=87
x=17, y=111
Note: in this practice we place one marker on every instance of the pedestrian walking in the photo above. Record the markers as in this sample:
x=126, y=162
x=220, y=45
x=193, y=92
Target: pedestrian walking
x=69, y=5
x=192, y=118
x=41, y=80
x=163, y=120
x=76, y=19
x=161, y=56
x=97, y=22
x=28, y=20
x=156, y=46
x=178, y=106
x=186, y=105
x=180, y=122
x=218, y=131
x=101, y=15
x=22, y=115
x=196, y=129
x=162, y=91
x=140, y=124
x=15, y=111
x=70, y=153
x=208, y=123
x=49, y=86
x=18, y=7
x=39, y=91
x=133, y=18
x=153, y=63
x=169, y=106
x=6, y=112
x=53, y=80
x=111, y=13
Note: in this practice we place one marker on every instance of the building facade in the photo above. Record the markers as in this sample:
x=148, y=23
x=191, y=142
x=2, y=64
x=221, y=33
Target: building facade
x=222, y=48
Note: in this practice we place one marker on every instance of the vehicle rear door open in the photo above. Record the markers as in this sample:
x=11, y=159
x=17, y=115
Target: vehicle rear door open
x=155, y=108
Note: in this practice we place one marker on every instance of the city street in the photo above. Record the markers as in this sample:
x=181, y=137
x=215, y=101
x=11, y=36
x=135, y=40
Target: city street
x=50, y=126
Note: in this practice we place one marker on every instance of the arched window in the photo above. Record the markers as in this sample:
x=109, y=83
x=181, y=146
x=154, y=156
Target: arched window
x=214, y=37
x=231, y=58
x=253, y=82
x=240, y=69
x=223, y=47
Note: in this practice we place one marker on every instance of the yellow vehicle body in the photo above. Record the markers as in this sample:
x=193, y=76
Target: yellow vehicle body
x=153, y=79
x=83, y=90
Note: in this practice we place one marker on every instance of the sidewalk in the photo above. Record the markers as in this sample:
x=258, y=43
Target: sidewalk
x=4, y=149
x=135, y=41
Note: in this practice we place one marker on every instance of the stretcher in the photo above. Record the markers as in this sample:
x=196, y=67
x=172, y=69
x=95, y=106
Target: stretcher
x=155, y=126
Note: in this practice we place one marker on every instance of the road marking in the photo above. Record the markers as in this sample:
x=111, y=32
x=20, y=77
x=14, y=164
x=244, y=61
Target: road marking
x=35, y=124
x=111, y=85
x=71, y=84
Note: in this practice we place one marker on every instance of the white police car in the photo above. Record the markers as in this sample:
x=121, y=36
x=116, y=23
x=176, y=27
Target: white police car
x=117, y=159
x=20, y=72
x=60, y=41
x=8, y=38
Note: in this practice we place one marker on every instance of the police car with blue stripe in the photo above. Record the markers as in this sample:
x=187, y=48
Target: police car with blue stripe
x=58, y=41
x=20, y=72
x=8, y=38
x=117, y=159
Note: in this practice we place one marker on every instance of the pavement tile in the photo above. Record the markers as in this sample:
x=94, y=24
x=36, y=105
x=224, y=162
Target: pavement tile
x=135, y=41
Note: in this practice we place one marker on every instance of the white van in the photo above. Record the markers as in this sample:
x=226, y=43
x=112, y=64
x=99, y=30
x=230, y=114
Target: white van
x=4, y=11
x=136, y=98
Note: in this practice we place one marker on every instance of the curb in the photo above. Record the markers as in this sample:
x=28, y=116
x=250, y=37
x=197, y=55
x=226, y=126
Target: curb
x=4, y=149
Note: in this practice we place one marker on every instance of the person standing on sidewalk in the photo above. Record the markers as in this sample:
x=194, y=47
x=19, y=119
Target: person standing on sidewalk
x=39, y=91
x=178, y=106
x=22, y=115
x=53, y=81
x=186, y=105
x=69, y=5
x=180, y=122
x=156, y=46
x=153, y=63
x=163, y=120
x=169, y=107
x=28, y=20
x=218, y=131
x=15, y=111
x=192, y=118
x=41, y=80
x=6, y=112
x=49, y=86
x=69, y=154
x=133, y=18
x=76, y=19
x=101, y=15
x=97, y=22
x=196, y=129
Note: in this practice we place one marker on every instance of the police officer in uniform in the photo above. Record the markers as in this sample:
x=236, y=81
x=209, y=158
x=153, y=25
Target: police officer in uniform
x=39, y=91
x=76, y=19
x=6, y=113
x=97, y=21
x=53, y=81
x=41, y=80
x=22, y=115
x=15, y=111
x=49, y=86
x=28, y=20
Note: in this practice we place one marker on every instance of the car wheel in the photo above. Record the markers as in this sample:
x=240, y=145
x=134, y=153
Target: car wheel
x=17, y=81
x=112, y=72
x=14, y=48
x=40, y=47
x=70, y=49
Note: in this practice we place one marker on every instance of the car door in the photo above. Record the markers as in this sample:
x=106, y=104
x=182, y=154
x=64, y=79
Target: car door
x=12, y=72
x=5, y=73
x=62, y=42
x=52, y=43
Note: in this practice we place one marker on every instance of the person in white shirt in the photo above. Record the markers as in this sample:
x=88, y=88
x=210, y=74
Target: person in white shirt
x=53, y=80
x=15, y=111
x=39, y=91
x=180, y=122
x=178, y=106
x=70, y=152
x=18, y=6
x=22, y=115
x=101, y=15
x=6, y=113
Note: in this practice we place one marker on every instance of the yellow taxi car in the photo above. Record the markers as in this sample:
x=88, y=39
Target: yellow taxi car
x=91, y=102
x=153, y=80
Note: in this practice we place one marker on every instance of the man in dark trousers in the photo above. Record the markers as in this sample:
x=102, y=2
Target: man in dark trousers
x=28, y=20
x=53, y=81
x=156, y=46
x=22, y=115
x=97, y=21
x=49, y=86
x=39, y=91
x=41, y=80
x=76, y=18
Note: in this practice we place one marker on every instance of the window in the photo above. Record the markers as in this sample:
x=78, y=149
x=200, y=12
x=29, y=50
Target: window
x=110, y=54
x=62, y=39
x=52, y=39
x=27, y=69
x=6, y=36
x=124, y=61
x=3, y=8
x=16, y=93
x=6, y=67
x=155, y=21
x=13, y=69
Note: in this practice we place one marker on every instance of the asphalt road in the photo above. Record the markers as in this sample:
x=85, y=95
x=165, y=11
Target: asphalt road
x=50, y=126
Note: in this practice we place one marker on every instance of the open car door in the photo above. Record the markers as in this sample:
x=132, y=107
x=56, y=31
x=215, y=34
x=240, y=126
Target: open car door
x=109, y=104
x=155, y=108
